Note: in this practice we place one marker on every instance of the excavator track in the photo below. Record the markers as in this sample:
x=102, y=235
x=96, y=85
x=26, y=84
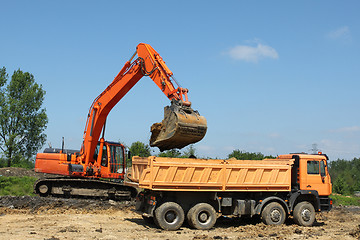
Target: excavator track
x=84, y=188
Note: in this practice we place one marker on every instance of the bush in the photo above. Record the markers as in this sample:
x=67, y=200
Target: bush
x=17, y=186
x=340, y=186
x=2, y=163
x=345, y=200
x=22, y=163
x=242, y=155
x=345, y=175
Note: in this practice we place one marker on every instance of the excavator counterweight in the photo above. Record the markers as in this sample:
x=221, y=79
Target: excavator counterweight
x=181, y=126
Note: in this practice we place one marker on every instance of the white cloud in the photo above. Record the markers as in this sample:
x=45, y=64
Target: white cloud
x=342, y=33
x=352, y=129
x=340, y=149
x=204, y=148
x=253, y=54
x=228, y=149
x=274, y=135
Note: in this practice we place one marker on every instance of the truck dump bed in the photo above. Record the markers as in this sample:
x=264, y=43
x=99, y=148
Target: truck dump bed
x=188, y=174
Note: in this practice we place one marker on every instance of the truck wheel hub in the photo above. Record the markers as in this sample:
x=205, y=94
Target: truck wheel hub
x=306, y=214
x=170, y=216
x=275, y=215
x=203, y=217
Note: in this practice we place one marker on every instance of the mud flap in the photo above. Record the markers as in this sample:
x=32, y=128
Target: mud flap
x=181, y=126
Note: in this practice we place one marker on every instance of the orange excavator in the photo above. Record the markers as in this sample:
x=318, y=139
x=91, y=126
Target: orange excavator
x=88, y=171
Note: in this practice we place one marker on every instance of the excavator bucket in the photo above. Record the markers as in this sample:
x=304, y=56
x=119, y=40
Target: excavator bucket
x=181, y=126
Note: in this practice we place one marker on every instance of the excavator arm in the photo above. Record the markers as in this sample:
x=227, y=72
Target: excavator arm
x=152, y=65
x=181, y=125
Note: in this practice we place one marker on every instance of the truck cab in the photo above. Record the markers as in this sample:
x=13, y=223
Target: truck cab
x=315, y=175
x=310, y=172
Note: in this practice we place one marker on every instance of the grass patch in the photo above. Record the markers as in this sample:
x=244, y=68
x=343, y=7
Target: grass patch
x=17, y=186
x=345, y=200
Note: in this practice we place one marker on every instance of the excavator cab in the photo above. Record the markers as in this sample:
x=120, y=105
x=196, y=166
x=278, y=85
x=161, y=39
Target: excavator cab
x=111, y=156
x=181, y=126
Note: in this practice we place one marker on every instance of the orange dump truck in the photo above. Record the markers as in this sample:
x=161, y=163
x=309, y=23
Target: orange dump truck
x=200, y=190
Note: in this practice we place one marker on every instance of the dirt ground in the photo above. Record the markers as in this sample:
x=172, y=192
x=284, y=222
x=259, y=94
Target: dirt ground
x=21, y=172
x=57, y=219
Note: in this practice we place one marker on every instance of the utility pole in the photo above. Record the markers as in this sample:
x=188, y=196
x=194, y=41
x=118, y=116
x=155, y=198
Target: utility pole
x=314, y=149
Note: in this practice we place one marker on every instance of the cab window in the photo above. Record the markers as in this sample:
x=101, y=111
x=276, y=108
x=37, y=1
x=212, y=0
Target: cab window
x=117, y=160
x=96, y=153
x=104, y=157
x=322, y=168
x=313, y=167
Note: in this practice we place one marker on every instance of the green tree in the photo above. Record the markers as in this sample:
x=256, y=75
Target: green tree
x=140, y=149
x=189, y=151
x=172, y=153
x=242, y=155
x=22, y=118
x=340, y=186
x=345, y=175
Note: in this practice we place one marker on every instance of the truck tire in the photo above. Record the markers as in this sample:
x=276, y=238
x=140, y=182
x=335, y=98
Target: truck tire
x=273, y=214
x=169, y=216
x=202, y=216
x=304, y=214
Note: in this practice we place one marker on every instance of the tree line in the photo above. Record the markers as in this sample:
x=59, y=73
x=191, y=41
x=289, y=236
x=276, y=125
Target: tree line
x=143, y=150
x=345, y=175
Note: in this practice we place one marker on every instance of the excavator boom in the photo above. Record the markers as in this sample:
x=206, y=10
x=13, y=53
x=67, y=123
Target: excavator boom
x=181, y=125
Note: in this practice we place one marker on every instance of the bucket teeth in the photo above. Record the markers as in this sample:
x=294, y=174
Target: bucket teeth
x=181, y=126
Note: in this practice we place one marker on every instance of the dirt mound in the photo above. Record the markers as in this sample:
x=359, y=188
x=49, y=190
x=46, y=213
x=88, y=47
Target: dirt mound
x=52, y=218
x=356, y=232
x=21, y=172
x=38, y=204
x=28, y=217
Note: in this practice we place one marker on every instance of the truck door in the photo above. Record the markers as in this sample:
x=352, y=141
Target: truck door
x=316, y=177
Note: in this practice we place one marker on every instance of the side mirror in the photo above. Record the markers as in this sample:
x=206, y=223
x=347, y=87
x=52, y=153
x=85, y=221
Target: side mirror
x=129, y=154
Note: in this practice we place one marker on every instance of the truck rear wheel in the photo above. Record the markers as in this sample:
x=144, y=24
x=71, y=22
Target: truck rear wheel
x=169, y=216
x=304, y=214
x=273, y=214
x=202, y=216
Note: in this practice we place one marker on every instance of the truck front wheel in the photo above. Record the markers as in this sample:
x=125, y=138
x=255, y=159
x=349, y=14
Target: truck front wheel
x=202, y=216
x=273, y=214
x=169, y=216
x=304, y=214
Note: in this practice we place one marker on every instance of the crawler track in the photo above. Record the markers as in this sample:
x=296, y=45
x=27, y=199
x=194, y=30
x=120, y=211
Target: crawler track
x=84, y=188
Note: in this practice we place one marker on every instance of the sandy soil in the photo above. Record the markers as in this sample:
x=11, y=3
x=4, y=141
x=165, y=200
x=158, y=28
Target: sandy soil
x=57, y=219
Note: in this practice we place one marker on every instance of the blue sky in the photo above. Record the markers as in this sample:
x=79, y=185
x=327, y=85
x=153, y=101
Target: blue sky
x=270, y=76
